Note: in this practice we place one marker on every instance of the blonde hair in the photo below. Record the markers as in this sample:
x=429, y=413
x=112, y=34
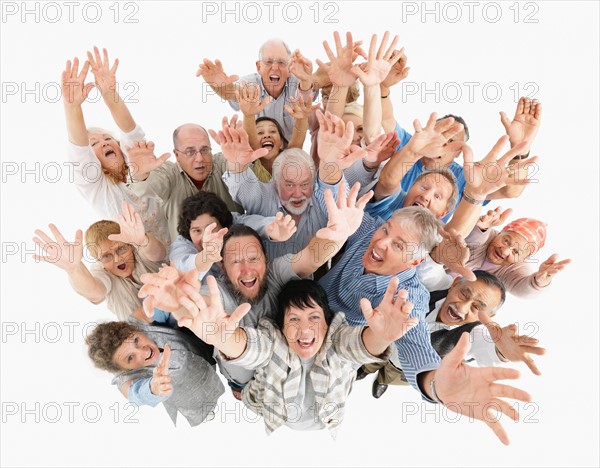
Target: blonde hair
x=354, y=108
x=99, y=232
x=353, y=92
x=117, y=176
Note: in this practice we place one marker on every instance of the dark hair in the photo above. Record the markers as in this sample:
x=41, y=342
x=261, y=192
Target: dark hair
x=492, y=280
x=241, y=230
x=302, y=293
x=279, y=129
x=202, y=203
x=460, y=120
x=104, y=340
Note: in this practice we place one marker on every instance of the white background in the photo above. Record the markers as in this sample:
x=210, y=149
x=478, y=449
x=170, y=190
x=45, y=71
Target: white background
x=159, y=56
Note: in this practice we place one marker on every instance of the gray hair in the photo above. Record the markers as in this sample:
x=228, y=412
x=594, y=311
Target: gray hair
x=450, y=177
x=422, y=223
x=295, y=157
x=275, y=42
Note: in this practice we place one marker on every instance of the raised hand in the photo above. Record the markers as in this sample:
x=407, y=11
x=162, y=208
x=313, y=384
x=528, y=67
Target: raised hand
x=432, y=140
x=282, y=227
x=339, y=67
x=492, y=172
x=73, y=86
x=301, y=67
x=381, y=149
x=549, y=268
x=335, y=142
x=493, y=218
x=525, y=124
x=301, y=108
x=390, y=319
x=132, y=227
x=453, y=253
x=379, y=61
x=142, y=160
x=161, y=289
x=512, y=346
x=65, y=255
x=160, y=385
x=248, y=96
x=212, y=243
x=213, y=73
x=105, y=76
x=398, y=72
x=343, y=218
x=473, y=392
x=210, y=323
x=235, y=145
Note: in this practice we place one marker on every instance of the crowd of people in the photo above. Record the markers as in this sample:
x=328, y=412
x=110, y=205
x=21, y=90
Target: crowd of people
x=295, y=266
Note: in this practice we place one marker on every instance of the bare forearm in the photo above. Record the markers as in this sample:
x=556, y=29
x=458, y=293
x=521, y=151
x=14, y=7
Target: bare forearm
x=250, y=127
x=314, y=255
x=374, y=345
x=372, y=113
x=337, y=100
x=388, y=121
x=84, y=284
x=233, y=344
x=119, y=111
x=76, y=128
x=393, y=172
x=298, y=133
x=225, y=91
x=155, y=250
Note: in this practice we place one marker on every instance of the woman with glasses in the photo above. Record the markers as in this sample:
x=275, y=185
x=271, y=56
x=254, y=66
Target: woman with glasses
x=100, y=167
x=123, y=251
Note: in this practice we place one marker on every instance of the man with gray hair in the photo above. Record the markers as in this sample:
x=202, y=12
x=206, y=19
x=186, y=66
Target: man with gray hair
x=280, y=75
x=292, y=190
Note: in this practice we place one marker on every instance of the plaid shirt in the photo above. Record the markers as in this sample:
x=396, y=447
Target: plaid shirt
x=279, y=370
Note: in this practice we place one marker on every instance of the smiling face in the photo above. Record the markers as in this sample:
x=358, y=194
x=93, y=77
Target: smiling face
x=135, y=352
x=431, y=192
x=358, y=127
x=197, y=227
x=274, y=68
x=295, y=188
x=507, y=248
x=305, y=329
x=192, y=138
x=116, y=258
x=392, y=250
x=245, y=266
x=269, y=137
x=466, y=299
x=108, y=152
x=444, y=160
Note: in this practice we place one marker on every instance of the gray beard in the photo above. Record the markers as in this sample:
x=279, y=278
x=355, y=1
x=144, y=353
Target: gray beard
x=237, y=294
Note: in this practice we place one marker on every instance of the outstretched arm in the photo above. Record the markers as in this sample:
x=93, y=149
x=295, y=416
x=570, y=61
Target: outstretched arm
x=74, y=92
x=344, y=218
x=471, y=391
x=68, y=257
x=389, y=320
x=217, y=79
x=106, y=82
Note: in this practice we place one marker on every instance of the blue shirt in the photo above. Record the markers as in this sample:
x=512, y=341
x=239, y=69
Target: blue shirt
x=347, y=283
x=384, y=208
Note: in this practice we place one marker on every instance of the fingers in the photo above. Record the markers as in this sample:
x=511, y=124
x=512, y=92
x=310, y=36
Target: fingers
x=239, y=313
x=495, y=426
x=504, y=216
x=508, y=391
x=505, y=121
x=163, y=364
x=455, y=357
x=367, y=308
x=215, y=295
x=528, y=360
x=390, y=291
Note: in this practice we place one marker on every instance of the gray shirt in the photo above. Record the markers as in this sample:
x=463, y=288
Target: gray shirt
x=196, y=385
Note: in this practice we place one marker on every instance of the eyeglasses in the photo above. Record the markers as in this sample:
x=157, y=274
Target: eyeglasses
x=271, y=62
x=191, y=152
x=109, y=257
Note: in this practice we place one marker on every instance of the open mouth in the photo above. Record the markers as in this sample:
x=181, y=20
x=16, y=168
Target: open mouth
x=110, y=153
x=269, y=145
x=249, y=283
x=306, y=343
x=297, y=203
x=274, y=78
x=454, y=314
x=122, y=266
x=375, y=257
x=419, y=204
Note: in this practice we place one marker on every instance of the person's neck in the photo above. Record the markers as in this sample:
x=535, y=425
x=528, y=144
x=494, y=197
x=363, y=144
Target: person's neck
x=198, y=183
x=267, y=164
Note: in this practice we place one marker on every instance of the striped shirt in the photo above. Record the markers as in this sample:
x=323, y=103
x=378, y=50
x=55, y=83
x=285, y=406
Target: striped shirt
x=262, y=199
x=278, y=373
x=347, y=283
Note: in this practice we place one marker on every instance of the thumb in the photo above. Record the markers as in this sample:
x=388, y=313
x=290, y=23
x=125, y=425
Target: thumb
x=455, y=357
x=505, y=121
x=239, y=313
x=163, y=158
x=88, y=87
x=367, y=309
x=148, y=306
